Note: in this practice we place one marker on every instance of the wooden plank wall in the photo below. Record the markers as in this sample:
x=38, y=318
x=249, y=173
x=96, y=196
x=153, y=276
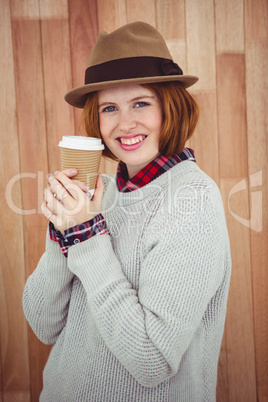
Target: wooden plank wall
x=44, y=46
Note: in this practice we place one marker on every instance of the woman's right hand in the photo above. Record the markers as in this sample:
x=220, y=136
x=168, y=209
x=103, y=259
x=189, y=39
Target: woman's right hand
x=69, y=202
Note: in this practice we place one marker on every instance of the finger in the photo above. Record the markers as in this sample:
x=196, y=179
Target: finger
x=98, y=194
x=57, y=188
x=70, y=172
x=52, y=200
x=49, y=195
x=46, y=210
x=68, y=184
x=82, y=185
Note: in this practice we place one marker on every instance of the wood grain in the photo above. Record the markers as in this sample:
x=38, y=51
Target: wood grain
x=232, y=115
x=201, y=43
x=29, y=78
x=222, y=391
x=229, y=25
x=83, y=27
x=46, y=44
x=57, y=81
x=256, y=21
x=107, y=17
x=112, y=14
x=13, y=330
x=51, y=9
x=140, y=10
x=205, y=139
x=1, y=373
x=170, y=21
x=24, y=9
x=38, y=352
x=239, y=321
x=256, y=52
x=31, y=111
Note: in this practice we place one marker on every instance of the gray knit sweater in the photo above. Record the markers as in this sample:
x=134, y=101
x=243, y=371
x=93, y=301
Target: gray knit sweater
x=138, y=315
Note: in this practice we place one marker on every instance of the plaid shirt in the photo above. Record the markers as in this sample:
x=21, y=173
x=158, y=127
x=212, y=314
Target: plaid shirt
x=153, y=170
x=97, y=225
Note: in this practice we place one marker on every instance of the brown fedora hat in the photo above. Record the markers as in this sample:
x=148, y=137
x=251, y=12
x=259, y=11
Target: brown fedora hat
x=136, y=53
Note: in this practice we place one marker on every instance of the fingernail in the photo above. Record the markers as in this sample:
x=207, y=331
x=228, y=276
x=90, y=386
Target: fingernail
x=50, y=178
x=73, y=170
x=56, y=173
x=86, y=187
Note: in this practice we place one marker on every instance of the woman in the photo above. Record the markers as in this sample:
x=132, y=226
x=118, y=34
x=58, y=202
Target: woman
x=132, y=288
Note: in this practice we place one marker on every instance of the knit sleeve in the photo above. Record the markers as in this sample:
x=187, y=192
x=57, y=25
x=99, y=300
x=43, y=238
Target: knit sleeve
x=150, y=329
x=47, y=293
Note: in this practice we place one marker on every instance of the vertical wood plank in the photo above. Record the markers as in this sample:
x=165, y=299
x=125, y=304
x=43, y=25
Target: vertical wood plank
x=256, y=17
x=83, y=25
x=205, y=139
x=170, y=21
x=51, y=9
x=1, y=374
x=232, y=115
x=201, y=43
x=239, y=321
x=31, y=111
x=170, y=18
x=29, y=76
x=13, y=329
x=200, y=53
x=38, y=352
x=229, y=26
x=229, y=22
x=57, y=76
x=139, y=10
x=107, y=18
x=24, y=9
x=222, y=394
x=256, y=50
x=233, y=168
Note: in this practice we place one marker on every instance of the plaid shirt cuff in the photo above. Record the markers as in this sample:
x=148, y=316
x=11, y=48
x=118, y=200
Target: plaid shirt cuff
x=78, y=233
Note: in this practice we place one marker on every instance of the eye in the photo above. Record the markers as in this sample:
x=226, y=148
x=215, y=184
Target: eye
x=141, y=104
x=108, y=109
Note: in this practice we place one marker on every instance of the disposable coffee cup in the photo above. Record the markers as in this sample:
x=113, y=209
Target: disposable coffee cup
x=84, y=154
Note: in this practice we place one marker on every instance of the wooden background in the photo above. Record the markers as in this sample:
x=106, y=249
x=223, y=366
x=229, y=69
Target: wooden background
x=44, y=46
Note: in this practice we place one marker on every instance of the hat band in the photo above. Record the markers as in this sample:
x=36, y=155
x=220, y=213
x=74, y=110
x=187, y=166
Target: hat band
x=131, y=67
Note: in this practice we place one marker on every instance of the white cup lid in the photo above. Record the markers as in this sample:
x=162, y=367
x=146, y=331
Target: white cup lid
x=81, y=142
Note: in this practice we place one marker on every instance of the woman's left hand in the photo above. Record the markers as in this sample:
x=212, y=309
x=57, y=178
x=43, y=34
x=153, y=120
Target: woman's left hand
x=68, y=202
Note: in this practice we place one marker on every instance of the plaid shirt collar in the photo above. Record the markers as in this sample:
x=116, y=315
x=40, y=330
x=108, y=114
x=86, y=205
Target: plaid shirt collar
x=150, y=172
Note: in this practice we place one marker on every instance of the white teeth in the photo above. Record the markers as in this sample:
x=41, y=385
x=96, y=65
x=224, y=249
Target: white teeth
x=131, y=141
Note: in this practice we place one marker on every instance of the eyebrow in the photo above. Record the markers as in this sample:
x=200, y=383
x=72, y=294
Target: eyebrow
x=131, y=100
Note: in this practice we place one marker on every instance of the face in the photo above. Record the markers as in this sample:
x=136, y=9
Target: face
x=130, y=123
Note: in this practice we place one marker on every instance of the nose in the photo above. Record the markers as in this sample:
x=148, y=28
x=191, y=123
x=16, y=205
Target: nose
x=126, y=121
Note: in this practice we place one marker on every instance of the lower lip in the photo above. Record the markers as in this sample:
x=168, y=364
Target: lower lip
x=131, y=147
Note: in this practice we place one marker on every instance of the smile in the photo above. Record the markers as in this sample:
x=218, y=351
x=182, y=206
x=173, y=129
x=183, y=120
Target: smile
x=130, y=144
x=131, y=141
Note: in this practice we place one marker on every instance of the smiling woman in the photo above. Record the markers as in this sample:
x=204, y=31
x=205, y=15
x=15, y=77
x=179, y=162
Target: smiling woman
x=133, y=293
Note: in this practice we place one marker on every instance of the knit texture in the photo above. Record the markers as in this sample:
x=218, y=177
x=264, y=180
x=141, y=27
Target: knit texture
x=138, y=314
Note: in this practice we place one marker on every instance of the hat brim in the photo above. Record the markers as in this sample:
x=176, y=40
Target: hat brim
x=77, y=96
